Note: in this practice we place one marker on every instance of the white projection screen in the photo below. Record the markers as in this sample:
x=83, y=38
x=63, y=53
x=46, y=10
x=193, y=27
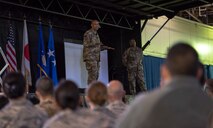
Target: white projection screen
x=75, y=67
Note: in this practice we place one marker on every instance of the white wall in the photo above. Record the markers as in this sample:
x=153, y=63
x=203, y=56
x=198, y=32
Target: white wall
x=200, y=36
x=75, y=67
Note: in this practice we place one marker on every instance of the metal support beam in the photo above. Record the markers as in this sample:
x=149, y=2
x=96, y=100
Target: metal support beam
x=96, y=7
x=34, y=22
x=121, y=7
x=193, y=16
x=148, y=42
x=144, y=3
x=164, y=4
x=143, y=26
x=204, y=1
x=123, y=21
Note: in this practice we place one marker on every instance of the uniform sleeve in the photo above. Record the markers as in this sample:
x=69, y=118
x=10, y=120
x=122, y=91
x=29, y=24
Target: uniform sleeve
x=141, y=55
x=87, y=40
x=103, y=47
x=124, y=58
x=4, y=121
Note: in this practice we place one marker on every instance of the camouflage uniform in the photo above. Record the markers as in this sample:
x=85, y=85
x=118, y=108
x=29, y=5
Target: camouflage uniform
x=91, y=54
x=117, y=107
x=49, y=106
x=105, y=111
x=21, y=114
x=81, y=118
x=132, y=59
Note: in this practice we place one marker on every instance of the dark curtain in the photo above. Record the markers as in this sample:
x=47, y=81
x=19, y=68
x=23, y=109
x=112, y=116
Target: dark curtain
x=152, y=71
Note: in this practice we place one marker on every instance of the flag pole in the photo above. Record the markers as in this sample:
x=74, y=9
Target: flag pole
x=25, y=75
x=41, y=70
x=27, y=81
x=1, y=81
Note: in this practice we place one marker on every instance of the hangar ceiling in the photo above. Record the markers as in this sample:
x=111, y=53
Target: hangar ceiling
x=118, y=13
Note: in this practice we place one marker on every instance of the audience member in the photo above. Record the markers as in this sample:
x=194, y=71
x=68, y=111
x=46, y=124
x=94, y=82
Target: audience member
x=97, y=97
x=115, y=95
x=71, y=115
x=178, y=104
x=44, y=91
x=19, y=113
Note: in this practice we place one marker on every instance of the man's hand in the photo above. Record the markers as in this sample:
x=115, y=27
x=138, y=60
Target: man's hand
x=110, y=48
x=107, y=47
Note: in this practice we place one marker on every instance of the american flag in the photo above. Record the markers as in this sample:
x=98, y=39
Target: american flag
x=10, y=48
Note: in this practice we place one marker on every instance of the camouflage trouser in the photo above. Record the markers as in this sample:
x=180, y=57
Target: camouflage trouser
x=136, y=75
x=93, y=70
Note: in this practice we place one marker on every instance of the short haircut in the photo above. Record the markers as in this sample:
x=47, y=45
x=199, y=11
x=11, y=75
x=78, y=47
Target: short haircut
x=94, y=21
x=97, y=93
x=14, y=85
x=115, y=90
x=67, y=95
x=182, y=59
x=44, y=86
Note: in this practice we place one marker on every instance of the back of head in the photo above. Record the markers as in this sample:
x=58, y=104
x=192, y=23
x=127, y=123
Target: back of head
x=44, y=86
x=182, y=59
x=115, y=89
x=67, y=95
x=14, y=85
x=97, y=93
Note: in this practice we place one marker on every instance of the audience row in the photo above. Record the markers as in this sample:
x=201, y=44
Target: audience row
x=180, y=101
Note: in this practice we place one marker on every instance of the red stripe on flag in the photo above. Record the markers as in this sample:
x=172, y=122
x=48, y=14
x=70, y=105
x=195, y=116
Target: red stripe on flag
x=11, y=65
x=26, y=52
x=11, y=57
x=11, y=48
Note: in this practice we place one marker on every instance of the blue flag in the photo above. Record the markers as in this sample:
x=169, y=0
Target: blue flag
x=41, y=62
x=51, y=61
